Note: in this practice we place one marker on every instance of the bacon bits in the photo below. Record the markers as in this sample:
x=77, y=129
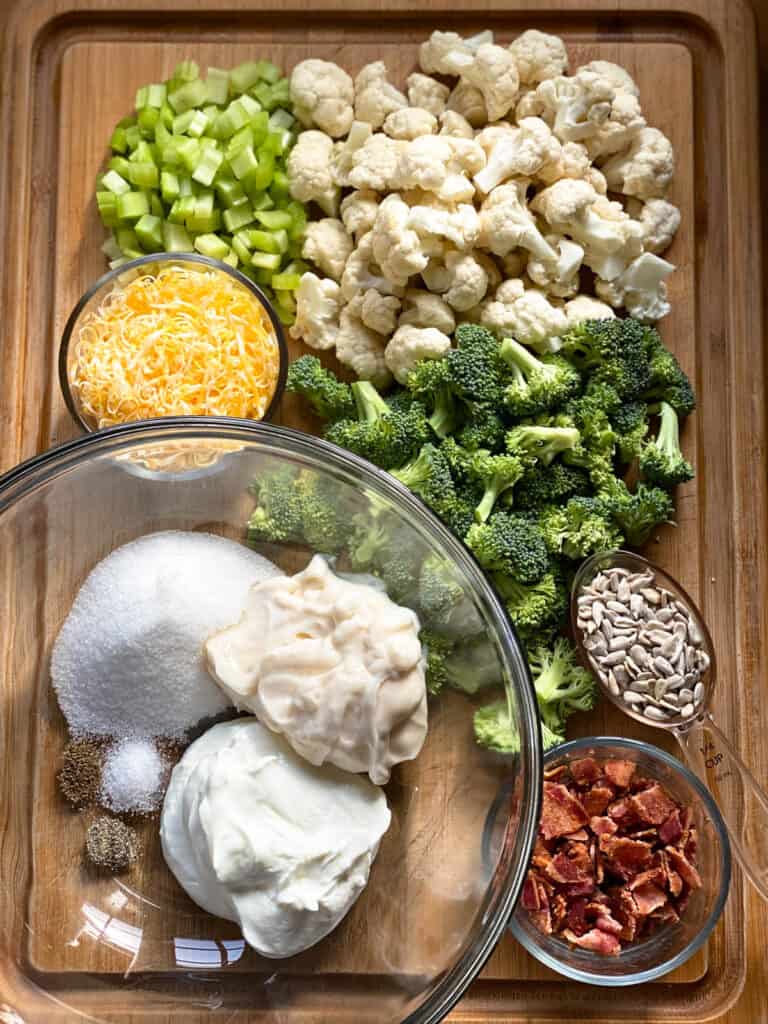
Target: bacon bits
x=615, y=857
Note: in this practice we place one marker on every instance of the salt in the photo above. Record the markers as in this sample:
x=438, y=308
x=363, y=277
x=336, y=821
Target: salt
x=133, y=777
x=128, y=660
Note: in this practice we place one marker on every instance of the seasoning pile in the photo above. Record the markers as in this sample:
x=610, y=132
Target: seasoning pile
x=643, y=644
x=615, y=857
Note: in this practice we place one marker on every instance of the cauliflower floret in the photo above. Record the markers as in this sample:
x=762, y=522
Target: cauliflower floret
x=597, y=180
x=469, y=281
x=362, y=350
x=358, y=212
x=538, y=56
x=620, y=127
x=466, y=99
x=328, y=245
x=488, y=137
x=424, y=163
x=322, y=94
x=574, y=107
x=492, y=70
x=459, y=224
x=309, y=170
x=645, y=169
x=519, y=154
x=375, y=97
x=358, y=274
x=318, y=304
x=342, y=161
x=558, y=277
x=423, y=309
x=377, y=311
x=527, y=315
x=410, y=123
x=396, y=246
x=641, y=289
x=619, y=77
x=427, y=93
x=584, y=307
x=375, y=164
x=660, y=221
x=506, y=224
x=572, y=162
x=453, y=123
x=438, y=54
x=409, y=345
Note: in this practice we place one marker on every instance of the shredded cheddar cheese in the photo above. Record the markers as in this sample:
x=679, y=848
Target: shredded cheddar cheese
x=181, y=342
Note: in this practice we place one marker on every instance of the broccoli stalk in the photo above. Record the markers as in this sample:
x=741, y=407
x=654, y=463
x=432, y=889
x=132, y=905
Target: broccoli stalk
x=562, y=686
x=370, y=405
x=330, y=398
x=661, y=460
x=385, y=435
x=496, y=474
x=538, y=384
x=541, y=443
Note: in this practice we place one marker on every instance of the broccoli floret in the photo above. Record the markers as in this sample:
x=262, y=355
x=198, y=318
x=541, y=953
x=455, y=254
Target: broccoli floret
x=483, y=427
x=509, y=544
x=475, y=367
x=541, y=606
x=277, y=517
x=495, y=474
x=329, y=397
x=495, y=729
x=428, y=475
x=615, y=352
x=562, y=686
x=630, y=425
x=537, y=384
x=473, y=666
x=579, y=528
x=668, y=382
x=638, y=514
x=385, y=436
x=548, y=485
x=324, y=524
x=542, y=443
x=439, y=590
x=437, y=651
x=430, y=383
x=661, y=461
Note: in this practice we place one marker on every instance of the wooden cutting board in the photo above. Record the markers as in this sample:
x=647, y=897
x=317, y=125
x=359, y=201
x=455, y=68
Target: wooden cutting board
x=70, y=70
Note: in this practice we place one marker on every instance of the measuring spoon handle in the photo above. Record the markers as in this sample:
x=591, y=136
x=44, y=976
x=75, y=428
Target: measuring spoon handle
x=742, y=801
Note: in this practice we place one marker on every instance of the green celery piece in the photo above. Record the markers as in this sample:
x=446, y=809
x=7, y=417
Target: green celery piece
x=156, y=95
x=250, y=106
x=182, y=121
x=212, y=246
x=132, y=136
x=209, y=163
x=186, y=208
x=162, y=135
x=111, y=249
x=107, y=205
x=274, y=143
x=197, y=125
x=244, y=76
x=132, y=205
x=201, y=218
x=273, y=220
x=244, y=238
x=240, y=140
x=237, y=217
x=230, y=259
x=286, y=281
x=298, y=223
x=141, y=97
x=244, y=163
x=169, y=153
x=296, y=267
x=285, y=299
x=241, y=251
x=121, y=165
x=185, y=71
x=166, y=115
x=285, y=318
x=175, y=215
x=186, y=186
x=169, y=186
x=156, y=207
x=263, y=201
x=281, y=186
x=231, y=120
x=268, y=241
x=118, y=142
x=189, y=153
x=294, y=249
x=281, y=120
x=260, y=178
x=260, y=126
x=277, y=95
x=230, y=192
x=261, y=92
x=269, y=71
x=149, y=231
x=265, y=260
x=176, y=239
x=128, y=242
x=144, y=175
x=262, y=277
x=217, y=86
x=142, y=154
x=191, y=94
x=147, y=121
x=114, y=182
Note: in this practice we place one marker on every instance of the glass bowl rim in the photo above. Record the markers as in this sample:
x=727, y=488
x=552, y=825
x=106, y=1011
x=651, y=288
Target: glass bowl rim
x=652, y=973
x=23, y=478
x=167, y=257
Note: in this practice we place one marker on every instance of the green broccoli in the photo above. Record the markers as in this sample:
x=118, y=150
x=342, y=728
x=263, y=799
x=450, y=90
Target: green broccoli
x=661, y=461
x=496, y=729
x=509, y=544
x=437, y=651
x=329, y=397
x=439, y=590
x=383, y=435
x=668, y=383
x=483, y=427
x=430, y=383
x=547, y=485
x=615, y=352
x=324, y=524
x=473, y=666
x=537, y=384
x=630, y=425
x=476, y=370
x=542, y=443
x=579, y=528
x=562, y=686
x=540, y=606
x=428, y=475
x=495, y=474
x=277, y=517
x=638, y=514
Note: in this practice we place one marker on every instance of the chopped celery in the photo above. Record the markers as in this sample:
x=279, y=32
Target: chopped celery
x=285, y=299
x=114, y=182
x=175, y=214
x=285, y=318
x=242, y=251
x=237, y=217
x=268, y=241
x=141, y=97
x=119, y=141
x=169, y=186
x=280, y=120
x=230, y=259
x=191, y=94
x=294, y=250
x=281, y=186
x=142, y=154
x=250, y=106
x=147, y=122
x=156, y=207
x=132, y=136
x=201, y=217
x=156, y=94
x=296, y=267
x=176, y=239
x=230, y=192
x=198, y=124
x=265, y=260
x=210, y=161
x=186, y=187
x=149, y=231
x=269, y=72
x=121, y=165
x=260, y=177
x=262, y=202
x=262, y=277
x=244, y=76
x=182, y=121
x=128, y=242
x=144, y=175
x=286, y=281
x=273, y=220
x=107, y=204
x=162, y=136
x=185, y=71
x=111, y=249
x=244, y=163
x=217, y=86
x=132, y=205
x=189, y=153
x=243, y=237
x=211, y=245
x=240, y=140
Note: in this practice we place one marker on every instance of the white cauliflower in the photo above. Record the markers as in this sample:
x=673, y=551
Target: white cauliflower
x=318, y=304
x=487, y=137
x=538, y=56
x=574, y=107
x=375, y=164
x=466, y=99
x=424, y=163
x=645, y=169
x=492, y=70
x=409, y=345
x=328, y=245
x=619, y=128
x=506, y=223
x=427, y=93
x=659, y=219
x=359, y=275
x=619, y=77
x=459, y=224
x=641, y=289
x=596, y=179
x=358, y=212
x=558, y=277
x=469, y=281
x=375, y=97
x=362, y=350
x=584, y=307
x=424, y=309
x=572, y=162
x=342, y=160
x=397, y=247
x=309, y=171
x=409, y=123
x=527, y=315
x=453, y=123
x=518, y=154
x=378, y=312
x=439, y=53
x=322, y=94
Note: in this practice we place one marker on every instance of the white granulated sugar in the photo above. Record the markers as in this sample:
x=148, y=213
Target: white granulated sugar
x=132, y=778
x=128, y=660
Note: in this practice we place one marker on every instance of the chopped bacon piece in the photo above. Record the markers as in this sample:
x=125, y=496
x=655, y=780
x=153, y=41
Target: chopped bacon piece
x=579, y=854
x=603, y=826
x=652, y=805
x=645, y=833
x=657, y=875
x=565, y=871
x=541, y=855
x=585, y=770
x=623, y=812
x=579, y=836
x=671, y=829
x=557, y=773
x=595, y=940
x=665, y=915
x=684, y=868
x=625, y=910
x=597, y=799
x=559, y=909
x=562, y=812
x=577, y=915
x=619, y=772
x=584, y=888
x=606, y=923
x=530, y=895
x=648, y=898
x=542, y=920
x=623, y=856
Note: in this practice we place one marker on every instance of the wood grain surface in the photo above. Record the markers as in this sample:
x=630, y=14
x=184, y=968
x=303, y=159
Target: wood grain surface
x=70, y=70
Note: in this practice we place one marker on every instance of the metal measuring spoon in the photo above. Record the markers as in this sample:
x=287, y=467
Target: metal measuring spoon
x=742, y=801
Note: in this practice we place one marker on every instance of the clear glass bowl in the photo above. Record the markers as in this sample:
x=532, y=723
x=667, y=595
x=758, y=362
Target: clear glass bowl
x=671, y=945
x=98, y=291
x=437, y=902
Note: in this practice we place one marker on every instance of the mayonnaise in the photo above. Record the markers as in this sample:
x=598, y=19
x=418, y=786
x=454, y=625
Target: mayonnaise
x=256, y=835
x=334, y=666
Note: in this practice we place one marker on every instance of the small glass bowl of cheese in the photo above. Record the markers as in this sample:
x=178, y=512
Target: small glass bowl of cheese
x=172, y=335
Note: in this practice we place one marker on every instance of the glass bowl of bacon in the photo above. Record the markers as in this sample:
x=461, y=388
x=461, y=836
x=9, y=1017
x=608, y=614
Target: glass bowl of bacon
x=631, y=867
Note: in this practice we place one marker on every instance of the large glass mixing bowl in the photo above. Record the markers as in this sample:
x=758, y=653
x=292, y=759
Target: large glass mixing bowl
x=72, y=942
